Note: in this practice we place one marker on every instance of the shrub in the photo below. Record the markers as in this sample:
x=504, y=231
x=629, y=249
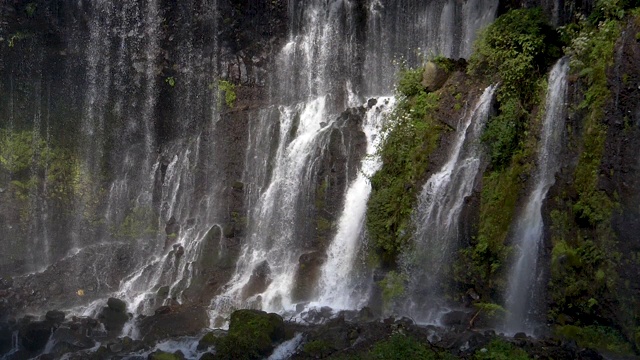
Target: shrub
x=501, y=350
x=401, y=347
x=518, y=47
x=410, y=136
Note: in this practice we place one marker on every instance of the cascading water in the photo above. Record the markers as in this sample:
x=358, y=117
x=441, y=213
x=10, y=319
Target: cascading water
x=337, y=280
x=524, y=287
x=438, y=214
x=153, y=165
x=412, y=30
x=321, y=56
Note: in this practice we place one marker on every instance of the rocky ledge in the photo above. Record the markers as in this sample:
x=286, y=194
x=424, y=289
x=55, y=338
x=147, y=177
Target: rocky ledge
x=179, y=332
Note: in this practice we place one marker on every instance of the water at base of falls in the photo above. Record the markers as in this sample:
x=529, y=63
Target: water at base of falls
x=437, y=215
x=524, y=277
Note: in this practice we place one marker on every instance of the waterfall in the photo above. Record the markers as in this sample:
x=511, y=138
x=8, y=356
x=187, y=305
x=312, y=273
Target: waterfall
x=170, y=189
x=412, y=30
x=337, y=278
x=438, y=211
x=524, y=281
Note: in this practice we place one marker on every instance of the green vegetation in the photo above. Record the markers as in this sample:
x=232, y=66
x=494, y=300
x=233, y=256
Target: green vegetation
x=501, y=350
x=229, y=90
x=515, y=51
x=140, y=222
x=585, y=288
x=31, y=8
x=317, y=348
x=596, y=337
x=401, y=347
x=171, y=81
x=14, y=38
x=411, y=135
x=392, y=287
x=251, y=334
x=30, y=161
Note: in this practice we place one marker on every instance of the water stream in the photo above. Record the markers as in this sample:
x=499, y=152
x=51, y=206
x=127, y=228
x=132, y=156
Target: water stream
x=437, y=216
x=524, y=277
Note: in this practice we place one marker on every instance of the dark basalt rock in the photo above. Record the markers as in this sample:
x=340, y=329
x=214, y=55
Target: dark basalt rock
x=259, y=280
x=173, y=322
x=35, y=335
x=114, y=316
x=55, y=316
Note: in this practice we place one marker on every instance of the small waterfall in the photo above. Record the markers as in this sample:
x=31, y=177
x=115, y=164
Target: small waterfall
x=524, y=279
x=272, y=243
x=337, y=279
x=438, y=212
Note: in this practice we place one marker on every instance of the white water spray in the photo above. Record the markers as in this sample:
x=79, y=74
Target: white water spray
x=523, y=287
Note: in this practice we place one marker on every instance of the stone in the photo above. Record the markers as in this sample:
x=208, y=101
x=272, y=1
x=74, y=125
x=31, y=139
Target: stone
x=372, y=102
x=251, y=332
x=55, y=316
x=180, y=321
x=433, y=76
x=113, y=320
x=455, y=318
x=258, y=281
x=117, y=305
x=520, y=336
x=35, y=335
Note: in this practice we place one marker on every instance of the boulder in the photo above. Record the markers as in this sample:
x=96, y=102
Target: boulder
x=173, y=322
x=252, y=334
x=209, y=339
x=35, y=335
x=55, y=316
x=433, y=76
x=259, y=280
x=113, y=316
x=117, y=305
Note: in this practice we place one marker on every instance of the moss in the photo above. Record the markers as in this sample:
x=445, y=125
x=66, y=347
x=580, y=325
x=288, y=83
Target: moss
x=251, y=334
x=229, y=90
x=500, y=350
x=515, y=50
x=161, y=355
x=411, y=135
x=401, y=347
x=317, y=348
x=140, y=222
x=480, y=265
x=583, y=284
x=596, y=337
x=392, y=287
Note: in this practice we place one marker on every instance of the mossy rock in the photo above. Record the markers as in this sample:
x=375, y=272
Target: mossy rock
x=433, y=76
x=161, y=355
x=207, y=341
x=252, y=334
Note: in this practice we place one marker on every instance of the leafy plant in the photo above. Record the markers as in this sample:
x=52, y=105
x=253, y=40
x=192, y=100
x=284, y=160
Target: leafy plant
x=392, y=287
x=500, y=350
x=518, y=48
x=411, y=135
x=401, y=347
x=229, y=90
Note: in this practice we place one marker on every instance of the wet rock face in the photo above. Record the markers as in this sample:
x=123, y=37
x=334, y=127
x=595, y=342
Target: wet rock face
x=621, y=164
x=173, y=321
